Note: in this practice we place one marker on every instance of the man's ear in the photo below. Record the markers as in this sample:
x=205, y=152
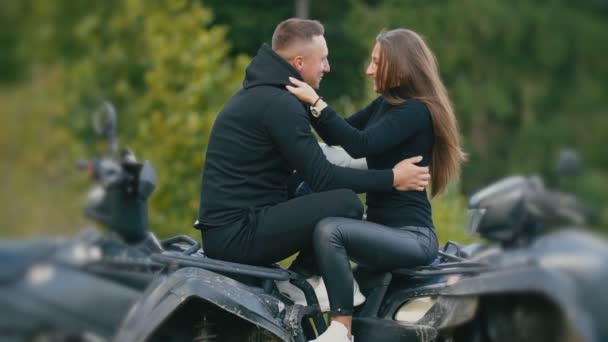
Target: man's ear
x=298, y=63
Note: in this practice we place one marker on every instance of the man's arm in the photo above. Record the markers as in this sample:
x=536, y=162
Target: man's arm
x=409, y=176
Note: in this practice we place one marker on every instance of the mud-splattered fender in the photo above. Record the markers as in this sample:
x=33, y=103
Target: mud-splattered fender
x=567, y=267
x=164, y=296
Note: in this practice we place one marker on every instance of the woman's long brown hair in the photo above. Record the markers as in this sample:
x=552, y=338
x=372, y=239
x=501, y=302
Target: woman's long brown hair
x=408, y=70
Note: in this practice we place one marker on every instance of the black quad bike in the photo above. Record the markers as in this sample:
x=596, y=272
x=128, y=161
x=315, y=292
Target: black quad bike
x=528, y=282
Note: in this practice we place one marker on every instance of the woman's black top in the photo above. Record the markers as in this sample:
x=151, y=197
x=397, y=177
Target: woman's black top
x=386, y=134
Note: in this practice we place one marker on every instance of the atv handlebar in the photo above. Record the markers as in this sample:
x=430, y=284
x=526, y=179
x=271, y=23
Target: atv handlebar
x=560, y=207
x=194, y=245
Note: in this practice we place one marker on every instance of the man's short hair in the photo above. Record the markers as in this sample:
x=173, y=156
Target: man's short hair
x=295, y=30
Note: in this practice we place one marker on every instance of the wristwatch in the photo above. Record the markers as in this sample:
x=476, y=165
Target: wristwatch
x=315, y=111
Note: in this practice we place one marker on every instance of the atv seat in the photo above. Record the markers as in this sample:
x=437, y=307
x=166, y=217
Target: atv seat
x=16, y=256
x=452, y=260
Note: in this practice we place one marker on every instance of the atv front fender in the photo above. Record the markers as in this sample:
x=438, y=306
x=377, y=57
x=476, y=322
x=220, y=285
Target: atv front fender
x=166, y=295
x=555, y=286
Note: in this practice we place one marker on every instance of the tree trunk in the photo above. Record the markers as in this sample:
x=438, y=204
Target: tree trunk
x=302, y=8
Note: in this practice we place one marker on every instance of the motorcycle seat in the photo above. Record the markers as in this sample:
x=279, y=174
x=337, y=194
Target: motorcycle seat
x=16, y=256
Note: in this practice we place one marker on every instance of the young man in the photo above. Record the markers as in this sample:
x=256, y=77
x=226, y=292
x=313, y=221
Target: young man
x=258, y=139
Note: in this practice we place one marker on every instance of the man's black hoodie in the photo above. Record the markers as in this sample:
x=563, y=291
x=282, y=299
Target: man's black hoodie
x=258, y=139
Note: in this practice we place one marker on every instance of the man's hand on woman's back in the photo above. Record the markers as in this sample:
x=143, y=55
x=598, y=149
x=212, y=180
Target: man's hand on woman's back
x=407, y=176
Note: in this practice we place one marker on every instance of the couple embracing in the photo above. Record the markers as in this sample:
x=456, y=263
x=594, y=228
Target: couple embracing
x=408, y=136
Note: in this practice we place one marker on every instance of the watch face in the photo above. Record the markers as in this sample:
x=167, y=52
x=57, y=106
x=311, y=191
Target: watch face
x=314, y=111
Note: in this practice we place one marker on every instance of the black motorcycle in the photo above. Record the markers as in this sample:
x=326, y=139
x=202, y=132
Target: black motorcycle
x=530, y=282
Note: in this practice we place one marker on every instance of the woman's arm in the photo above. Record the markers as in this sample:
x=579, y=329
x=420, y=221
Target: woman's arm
x=393, y=126
x=357, y=120
x=305, y=93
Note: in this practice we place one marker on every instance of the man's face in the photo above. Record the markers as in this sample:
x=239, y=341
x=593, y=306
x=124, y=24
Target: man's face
x=314, y=63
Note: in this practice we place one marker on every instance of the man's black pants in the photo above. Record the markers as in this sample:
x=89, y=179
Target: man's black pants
x=271, y=234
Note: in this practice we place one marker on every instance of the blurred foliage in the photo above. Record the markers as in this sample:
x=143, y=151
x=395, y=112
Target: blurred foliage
x=41, y=191
x=450, y=217
x=252, y=22
x=527, y=78
x=162, y=65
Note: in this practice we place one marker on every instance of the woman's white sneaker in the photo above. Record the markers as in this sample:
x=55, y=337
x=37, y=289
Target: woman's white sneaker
x=336, y=332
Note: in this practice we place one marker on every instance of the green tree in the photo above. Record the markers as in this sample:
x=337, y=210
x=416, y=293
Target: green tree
x=163, y=65
x=252, y=23
x=527, y=78
x=169, y=73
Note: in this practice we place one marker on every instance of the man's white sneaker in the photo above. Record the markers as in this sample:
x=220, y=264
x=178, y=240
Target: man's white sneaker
x=290, y=291
x=358, y=297
x=336, y=332
x=322, y=296
x=320, y=291
x=297, y=296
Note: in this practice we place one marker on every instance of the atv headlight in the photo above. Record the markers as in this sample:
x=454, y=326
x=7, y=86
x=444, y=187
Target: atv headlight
x=414, y=310
x=475, y=217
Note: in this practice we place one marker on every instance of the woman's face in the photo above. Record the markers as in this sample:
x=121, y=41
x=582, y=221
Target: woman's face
x=372, y=68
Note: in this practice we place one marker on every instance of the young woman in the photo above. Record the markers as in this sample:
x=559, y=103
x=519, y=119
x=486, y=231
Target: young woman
x=412, y=116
